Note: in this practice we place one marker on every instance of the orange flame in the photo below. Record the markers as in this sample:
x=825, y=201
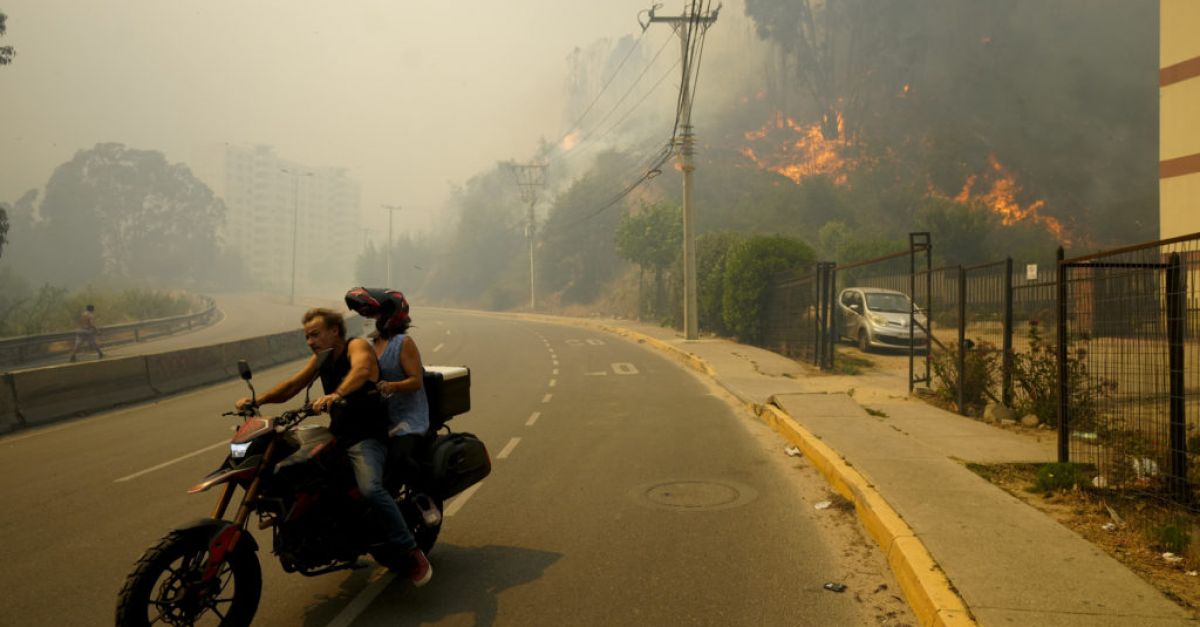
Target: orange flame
x=570, y=140
x=802, y=153
x=1000, y=199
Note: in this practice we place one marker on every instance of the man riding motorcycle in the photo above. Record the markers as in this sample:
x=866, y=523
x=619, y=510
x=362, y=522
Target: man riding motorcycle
x=358, y=419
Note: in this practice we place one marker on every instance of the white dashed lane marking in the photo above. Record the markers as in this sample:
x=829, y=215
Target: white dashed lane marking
x=508, y=448
x=533, y=418
x=552, y=382
x=460, y=500
x=546, y=398
x=165, y=464
x=438, y=347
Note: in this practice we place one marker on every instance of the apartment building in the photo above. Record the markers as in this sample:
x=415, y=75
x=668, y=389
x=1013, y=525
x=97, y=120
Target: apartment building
x=273, y=202
x=1179, y=117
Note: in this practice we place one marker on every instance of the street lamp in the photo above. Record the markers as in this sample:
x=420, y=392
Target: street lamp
x=295, y=222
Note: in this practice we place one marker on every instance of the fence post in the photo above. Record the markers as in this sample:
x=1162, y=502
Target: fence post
x=1007, y=355
x=819, y=314
x=830, y=313
x=962, y=341
x=1064, y=388
x=1177, y=481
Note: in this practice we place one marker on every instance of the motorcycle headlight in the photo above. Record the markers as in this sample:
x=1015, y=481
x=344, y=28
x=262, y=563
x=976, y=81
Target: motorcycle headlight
x=238, y=451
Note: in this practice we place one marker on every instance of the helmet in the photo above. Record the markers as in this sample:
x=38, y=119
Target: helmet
x=389, y=308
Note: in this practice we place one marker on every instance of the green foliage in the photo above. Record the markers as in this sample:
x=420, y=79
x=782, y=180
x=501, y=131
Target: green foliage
x=6, y=52
x=25, y=310
x=982, y=367
x=581, y=262
x=1175, y=536
x=749, y=264
x=958, y=229
x=127, y=214
x=1035, y=382
x=1055, y=477
x=487, y=239
x=652, y=236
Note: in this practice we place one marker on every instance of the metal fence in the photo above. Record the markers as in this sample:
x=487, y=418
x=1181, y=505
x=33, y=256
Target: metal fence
x=798, y=314
x=1104, y=347
x=16, y=351
x=1128, y=367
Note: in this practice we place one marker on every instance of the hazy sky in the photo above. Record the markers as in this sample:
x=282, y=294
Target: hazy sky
x=409, y=96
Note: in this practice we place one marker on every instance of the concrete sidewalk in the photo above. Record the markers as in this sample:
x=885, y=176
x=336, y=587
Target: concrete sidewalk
x=1009, y=564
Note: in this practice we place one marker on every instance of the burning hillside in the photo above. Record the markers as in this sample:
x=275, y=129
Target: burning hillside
x=798, y=151
x=997, y=190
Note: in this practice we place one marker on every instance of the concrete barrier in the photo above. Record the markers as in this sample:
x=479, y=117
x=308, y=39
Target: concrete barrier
x=55, y=392
x=288, y=346
x=256, y=351
x=188, y=368
x=10, y=420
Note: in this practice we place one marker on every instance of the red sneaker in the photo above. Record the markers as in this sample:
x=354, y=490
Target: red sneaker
x=420, y=572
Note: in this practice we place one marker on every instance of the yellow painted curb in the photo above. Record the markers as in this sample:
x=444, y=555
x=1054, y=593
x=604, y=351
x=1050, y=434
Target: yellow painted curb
x=926, y=588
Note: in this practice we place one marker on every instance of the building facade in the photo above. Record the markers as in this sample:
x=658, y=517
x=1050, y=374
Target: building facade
x=1179, y=117
x=272, y=202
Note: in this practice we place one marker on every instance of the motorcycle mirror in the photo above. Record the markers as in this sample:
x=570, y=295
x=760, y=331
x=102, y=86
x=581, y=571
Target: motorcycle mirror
x=244, y=369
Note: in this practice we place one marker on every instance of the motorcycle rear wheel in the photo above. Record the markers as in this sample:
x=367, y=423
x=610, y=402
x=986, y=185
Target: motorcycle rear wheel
x=165, y=587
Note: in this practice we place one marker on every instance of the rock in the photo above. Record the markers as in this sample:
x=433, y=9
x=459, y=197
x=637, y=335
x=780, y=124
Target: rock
x=1031, y=420
x=995, y=412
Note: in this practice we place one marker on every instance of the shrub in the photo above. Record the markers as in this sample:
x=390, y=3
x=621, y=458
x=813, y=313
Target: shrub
x=1055, y=477
x=982, y=366
x=748, y=267
x=1174, y=536
x=1035, y=382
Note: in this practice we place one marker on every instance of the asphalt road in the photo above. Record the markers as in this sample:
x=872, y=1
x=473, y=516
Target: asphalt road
x=625, y=491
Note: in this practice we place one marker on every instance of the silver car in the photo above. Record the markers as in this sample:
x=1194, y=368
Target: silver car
x=879, y=318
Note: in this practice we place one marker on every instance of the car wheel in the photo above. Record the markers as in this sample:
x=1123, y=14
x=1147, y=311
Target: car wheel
x=864, y=341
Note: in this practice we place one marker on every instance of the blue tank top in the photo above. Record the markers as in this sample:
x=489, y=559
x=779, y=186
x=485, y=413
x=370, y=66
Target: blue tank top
x=408, y=412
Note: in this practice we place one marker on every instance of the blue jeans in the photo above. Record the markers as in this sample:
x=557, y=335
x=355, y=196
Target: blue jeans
x=367, y=458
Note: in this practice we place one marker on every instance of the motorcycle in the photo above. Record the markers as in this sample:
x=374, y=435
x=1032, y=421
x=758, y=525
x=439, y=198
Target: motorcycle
x=297, y=483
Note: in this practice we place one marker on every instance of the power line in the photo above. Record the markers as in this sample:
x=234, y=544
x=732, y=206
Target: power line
x=632, y=86
x=653, y=170
x=577, y=149
x=604, y=87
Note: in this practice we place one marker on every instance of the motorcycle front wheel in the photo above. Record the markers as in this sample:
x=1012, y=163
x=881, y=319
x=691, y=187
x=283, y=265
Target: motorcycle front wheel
x=166, y=586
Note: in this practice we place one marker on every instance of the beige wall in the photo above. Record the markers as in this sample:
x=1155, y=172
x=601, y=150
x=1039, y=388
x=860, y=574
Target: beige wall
x=1179, y=117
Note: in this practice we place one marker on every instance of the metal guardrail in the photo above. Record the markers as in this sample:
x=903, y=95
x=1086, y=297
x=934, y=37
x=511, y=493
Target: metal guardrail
x=26, y=348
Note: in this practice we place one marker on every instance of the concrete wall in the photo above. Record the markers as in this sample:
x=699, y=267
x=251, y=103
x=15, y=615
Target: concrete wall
x=42, y=395
x=1179, y=120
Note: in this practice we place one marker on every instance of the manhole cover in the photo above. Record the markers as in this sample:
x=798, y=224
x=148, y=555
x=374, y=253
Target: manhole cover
x=694, y=495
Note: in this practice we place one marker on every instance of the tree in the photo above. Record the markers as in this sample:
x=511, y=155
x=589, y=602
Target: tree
x=6, y=52
x=579, y=253
x=481, y=261
x=3, y=229
x=121, y=212
x=749, y=266
x=651, y=238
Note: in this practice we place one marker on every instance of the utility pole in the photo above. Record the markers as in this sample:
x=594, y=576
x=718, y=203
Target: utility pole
x=690, y=27
x=392, y=209
x=531, y=177
x=295, y=222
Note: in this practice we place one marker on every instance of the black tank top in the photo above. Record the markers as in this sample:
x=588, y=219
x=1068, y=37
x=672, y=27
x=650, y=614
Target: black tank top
x=364, y=415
